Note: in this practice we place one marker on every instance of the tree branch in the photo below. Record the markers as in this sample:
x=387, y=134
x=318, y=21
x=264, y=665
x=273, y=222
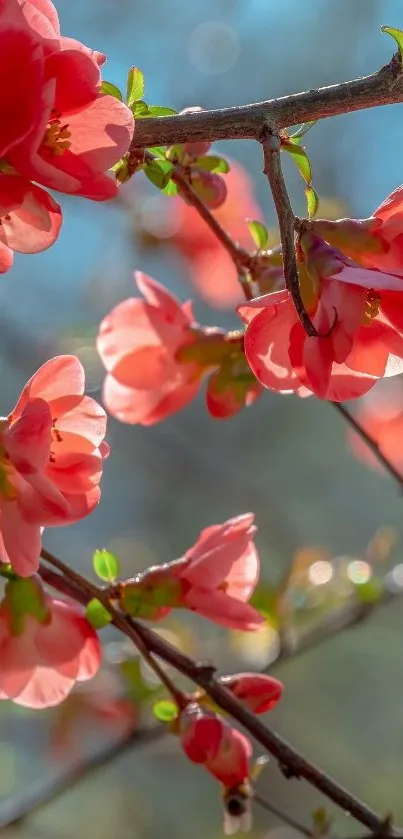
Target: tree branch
x=370, y=442
x=384, y=87
x=290, y=761
x=274, y=173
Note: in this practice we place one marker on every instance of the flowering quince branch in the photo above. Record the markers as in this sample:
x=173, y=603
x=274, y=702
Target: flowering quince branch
x=384, y=87
x=370, y=442
x=274, y=173
x=291, y=762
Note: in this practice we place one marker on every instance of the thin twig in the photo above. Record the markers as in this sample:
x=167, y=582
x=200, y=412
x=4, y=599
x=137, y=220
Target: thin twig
x=242, y=122
x=42, y=794
x=370, y=442
x=281, y=816
x=242, y=260
x=274, y=173
x=291, y=762
x=120, y=620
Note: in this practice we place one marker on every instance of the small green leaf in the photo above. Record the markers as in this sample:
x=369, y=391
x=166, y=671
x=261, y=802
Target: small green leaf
x=306, y=126
x=164, y=710
x=139, y=109
x=264, y=599
x=301, y=160
x=213, y=163
x=97, y=615
x=106, y=565
x=171, y=188
x=111, y=90
x=158, y=151
x=160, y=111
x=175, y=153
x=397, y=34
x=259, y=233
x=370, y=591
x=159, y=172
x=312, y=201
x=135, y=86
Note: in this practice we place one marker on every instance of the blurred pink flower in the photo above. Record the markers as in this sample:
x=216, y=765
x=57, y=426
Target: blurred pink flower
x=46, y=646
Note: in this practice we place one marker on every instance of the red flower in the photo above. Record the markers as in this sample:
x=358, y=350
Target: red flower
x=225, y=753
x=215, y=578
x=57, y=128
x=356, y=312
x=256, y=690
x=50, y=460
x=46, y=646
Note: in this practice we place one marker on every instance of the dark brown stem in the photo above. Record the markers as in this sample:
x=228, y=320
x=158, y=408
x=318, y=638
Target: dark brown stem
x=281, y=816
x=240, y=257
x=384, y=87
x=274, y=173
x=290, y=761
x=120, y=620
x=370, y=442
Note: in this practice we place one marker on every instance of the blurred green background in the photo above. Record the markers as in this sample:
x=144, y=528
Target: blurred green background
x=285, y=459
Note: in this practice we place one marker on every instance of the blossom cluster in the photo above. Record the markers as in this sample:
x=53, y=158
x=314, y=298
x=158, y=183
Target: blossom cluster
x=58, y=130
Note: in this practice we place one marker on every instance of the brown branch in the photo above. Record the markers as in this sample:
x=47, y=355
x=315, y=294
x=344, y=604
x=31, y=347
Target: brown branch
x=121, y=621
x=290, y=761
x=384, y=87
x=370, y=442
x=274, y=173
x=281, y=816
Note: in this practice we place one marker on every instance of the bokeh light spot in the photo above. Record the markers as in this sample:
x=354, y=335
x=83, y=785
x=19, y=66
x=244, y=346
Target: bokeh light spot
x=320, y=573
x=213, y=47
x=359, y=572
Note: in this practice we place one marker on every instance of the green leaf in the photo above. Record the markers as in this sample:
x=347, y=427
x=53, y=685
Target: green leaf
x=306, y=126
x=164, y=710
x=139, y=109
x=259, y=233
x=160, y=111
x=301, y=160
x=97, y=615
x=159, y=172
x=312, y=201
x=213, y=163
x=158, y=151
x=397, y=34
x=106, y=565
x=111, y=90
x=135, y=86
x=171, y=188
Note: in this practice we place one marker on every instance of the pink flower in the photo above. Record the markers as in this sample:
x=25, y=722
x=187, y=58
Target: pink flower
x=215, y=578
x=225, y=753
x=358, y=314
x=46, y=646
x=156, y=356
x=138, y=343
x=381, y=415
x=51, y=454
x=259, y=692
x=375, y=242
x=30, y=219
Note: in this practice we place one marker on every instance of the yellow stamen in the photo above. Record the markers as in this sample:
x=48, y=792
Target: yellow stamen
x=57, y=138
x=371, y=311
